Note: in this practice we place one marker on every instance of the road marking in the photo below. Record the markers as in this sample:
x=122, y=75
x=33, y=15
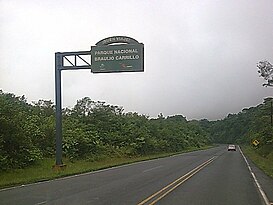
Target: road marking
x=266, y=201
x=43, y=202
x=170, y=187
x=147, y=170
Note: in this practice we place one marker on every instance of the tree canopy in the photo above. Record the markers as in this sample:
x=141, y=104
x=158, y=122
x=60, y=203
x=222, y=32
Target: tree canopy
x=244, y=127
x=94, y=129
x=91, y=130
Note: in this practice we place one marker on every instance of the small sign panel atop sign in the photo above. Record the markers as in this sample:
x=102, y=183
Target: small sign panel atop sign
x=118, y=57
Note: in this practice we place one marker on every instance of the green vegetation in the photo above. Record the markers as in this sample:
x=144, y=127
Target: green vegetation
x=246, y=126
x=250, y=124
x=92, y=131
x=265, y=163
x=97, y=135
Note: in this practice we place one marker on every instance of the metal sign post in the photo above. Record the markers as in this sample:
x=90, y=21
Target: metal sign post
x=60, y=58
x=125, y=56
x=58, y=97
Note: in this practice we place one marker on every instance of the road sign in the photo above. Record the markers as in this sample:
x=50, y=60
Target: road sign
x=107, y=58
x=126, y=55
x=255, y=142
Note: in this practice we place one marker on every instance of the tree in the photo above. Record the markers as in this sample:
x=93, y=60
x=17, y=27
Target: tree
x=266, y=71
x=17, y=132
x=91, y=130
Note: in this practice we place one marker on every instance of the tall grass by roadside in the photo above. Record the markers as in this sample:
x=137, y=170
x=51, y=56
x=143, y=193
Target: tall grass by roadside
x=43, y=171
x=262, y=160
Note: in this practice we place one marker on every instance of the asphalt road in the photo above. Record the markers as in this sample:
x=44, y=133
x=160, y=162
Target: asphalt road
x=210, y=177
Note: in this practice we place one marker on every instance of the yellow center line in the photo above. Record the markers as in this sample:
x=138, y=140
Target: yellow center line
x=183, y=178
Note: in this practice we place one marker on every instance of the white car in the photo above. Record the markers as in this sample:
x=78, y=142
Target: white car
x=231, y=147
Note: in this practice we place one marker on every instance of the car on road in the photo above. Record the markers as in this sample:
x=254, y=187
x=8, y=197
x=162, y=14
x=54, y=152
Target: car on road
x=231, y=147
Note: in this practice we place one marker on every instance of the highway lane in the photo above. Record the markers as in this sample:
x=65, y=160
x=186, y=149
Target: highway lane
x=224, y=180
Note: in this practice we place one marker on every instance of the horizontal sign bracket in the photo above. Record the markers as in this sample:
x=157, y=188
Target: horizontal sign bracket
x=74, y=60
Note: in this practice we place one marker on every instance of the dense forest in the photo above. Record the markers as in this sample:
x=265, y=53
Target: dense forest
x=93, y=130
x=249, y=124
x=254, y=123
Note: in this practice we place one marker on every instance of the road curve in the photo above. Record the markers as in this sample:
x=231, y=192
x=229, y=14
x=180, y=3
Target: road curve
x=207, y=177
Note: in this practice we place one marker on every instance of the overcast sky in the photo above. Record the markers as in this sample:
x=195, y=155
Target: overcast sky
x=200, y=55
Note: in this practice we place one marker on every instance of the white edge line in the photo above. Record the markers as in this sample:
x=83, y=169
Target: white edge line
x=147, y=170
x=87, y=173
x=266, y=201
x=43, y=202
x=94, y=172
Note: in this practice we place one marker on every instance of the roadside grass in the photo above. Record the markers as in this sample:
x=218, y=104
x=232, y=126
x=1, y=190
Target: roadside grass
x=265, y=163
x=42, y=171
